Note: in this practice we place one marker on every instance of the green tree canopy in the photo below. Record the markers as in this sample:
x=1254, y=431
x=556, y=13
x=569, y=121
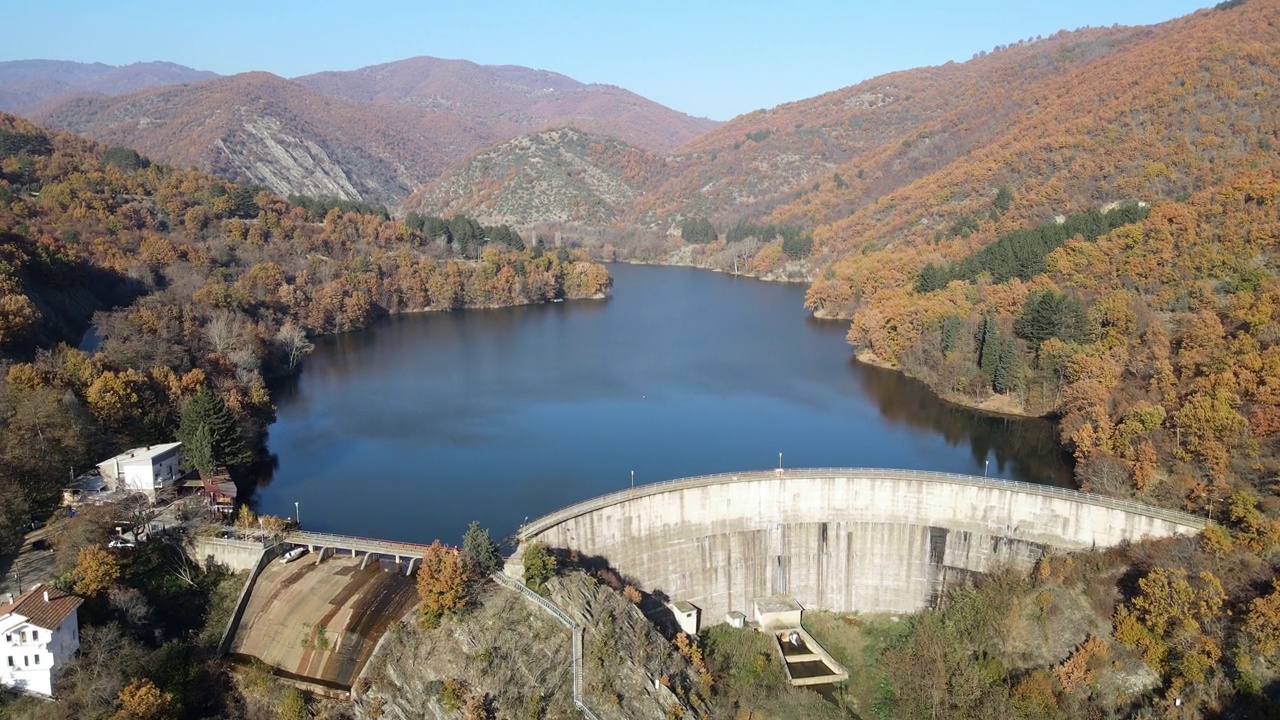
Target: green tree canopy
x=698, y=231
x=479, y=549
x=1048, y=313
x=210, y=435
x=797, y=247
x=539, y=567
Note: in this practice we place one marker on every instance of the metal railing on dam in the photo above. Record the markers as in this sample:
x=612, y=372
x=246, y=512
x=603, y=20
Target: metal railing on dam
x=538, y=525
x=351, y=542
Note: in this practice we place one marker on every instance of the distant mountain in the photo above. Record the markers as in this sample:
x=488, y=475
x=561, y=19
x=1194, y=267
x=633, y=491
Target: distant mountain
x=560, y=176
x=268, y=130
x=29, y=86
x=509, y=100
x=375, y=134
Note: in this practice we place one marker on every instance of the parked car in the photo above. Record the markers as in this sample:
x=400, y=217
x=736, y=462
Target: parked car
x=121, y=543
x=292, y=555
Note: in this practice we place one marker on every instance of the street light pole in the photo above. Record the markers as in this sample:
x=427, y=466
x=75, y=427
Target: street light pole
x=779, y=461
x=986, y=465
x=633, y=479
x=297, y=515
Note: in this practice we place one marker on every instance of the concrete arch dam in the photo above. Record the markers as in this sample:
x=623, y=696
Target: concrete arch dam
x=838, y=539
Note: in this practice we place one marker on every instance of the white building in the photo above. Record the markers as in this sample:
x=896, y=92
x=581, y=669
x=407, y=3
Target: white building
x=145, y=469
x=39, y=632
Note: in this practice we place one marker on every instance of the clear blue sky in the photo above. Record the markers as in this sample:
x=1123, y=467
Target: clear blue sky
x=715, y=59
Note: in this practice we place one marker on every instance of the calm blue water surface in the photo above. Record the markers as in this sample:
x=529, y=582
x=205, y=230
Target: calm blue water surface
x=413, y=428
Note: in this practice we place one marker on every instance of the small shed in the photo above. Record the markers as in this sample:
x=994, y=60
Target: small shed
x=688, y=616
x=736, y=619
x=777, y=612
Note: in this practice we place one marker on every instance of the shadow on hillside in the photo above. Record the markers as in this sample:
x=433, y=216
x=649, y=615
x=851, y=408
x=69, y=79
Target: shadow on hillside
x=652, y=604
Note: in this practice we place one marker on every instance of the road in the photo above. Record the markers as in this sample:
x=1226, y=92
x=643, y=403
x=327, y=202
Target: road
x=32, y=564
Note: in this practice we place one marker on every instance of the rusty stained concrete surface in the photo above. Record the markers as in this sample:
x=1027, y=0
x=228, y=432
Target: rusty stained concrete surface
x=354, y=607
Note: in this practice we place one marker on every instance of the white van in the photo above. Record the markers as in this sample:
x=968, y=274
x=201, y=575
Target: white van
x=292, y=555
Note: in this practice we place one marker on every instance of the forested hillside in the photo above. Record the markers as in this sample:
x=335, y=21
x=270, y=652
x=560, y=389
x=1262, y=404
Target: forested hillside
x=1147, y=325
x=554, y=177
x=199, y=284
x=824, y=157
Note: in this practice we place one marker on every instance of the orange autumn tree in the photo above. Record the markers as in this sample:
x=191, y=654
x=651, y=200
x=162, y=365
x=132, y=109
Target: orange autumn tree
x=95, y=570
x=442, y=583
x=142, y=700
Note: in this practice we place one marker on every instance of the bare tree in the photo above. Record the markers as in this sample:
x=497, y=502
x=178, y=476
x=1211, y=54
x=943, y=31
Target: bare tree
x=226, y=332
x=295, y=342
x=136, y=509
x=129, y=605
x=178, y=564
x=1105, y=475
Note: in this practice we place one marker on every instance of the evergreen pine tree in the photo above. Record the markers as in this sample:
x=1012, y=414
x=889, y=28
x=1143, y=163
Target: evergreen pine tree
x=951, y=326
x=988, y=346
x=1002, y=376
x=207, y=423
x=479, y=549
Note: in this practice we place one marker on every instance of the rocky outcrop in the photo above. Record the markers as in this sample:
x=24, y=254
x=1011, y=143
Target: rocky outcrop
x=269, y=155
x=519, y=657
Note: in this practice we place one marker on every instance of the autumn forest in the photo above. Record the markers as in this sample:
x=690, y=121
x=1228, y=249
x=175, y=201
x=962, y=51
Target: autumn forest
x=1081, y=227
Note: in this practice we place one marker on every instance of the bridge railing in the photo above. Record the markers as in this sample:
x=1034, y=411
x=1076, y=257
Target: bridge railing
x=303, y=537
x=555, y=518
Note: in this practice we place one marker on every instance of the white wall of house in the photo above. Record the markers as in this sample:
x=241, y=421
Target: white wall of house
x=32, y=657
x=148, y=475
x=145, y=473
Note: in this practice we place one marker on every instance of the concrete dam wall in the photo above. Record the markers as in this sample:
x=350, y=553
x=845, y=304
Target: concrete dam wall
x=837, y=539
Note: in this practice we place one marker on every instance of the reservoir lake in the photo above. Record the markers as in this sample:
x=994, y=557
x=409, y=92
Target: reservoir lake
x=411, y=429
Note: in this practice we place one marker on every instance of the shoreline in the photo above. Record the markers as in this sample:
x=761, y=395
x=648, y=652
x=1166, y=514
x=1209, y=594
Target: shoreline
x=991, y=406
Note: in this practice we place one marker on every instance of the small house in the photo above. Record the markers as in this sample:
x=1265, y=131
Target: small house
x=39, y=632
x=218, y=489
x=147, y=470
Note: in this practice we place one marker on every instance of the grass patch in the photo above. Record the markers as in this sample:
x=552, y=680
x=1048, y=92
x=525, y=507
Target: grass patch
x=857, y=642
x=750, y=682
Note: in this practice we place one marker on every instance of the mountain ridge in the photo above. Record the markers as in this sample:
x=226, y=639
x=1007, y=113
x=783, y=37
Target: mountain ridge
x=28, y=87
x=517, y=98
x=374, y=134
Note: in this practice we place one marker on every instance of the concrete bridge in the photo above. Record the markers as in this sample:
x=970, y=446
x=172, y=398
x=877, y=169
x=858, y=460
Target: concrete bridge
x=324, y=545
x=839, y=539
